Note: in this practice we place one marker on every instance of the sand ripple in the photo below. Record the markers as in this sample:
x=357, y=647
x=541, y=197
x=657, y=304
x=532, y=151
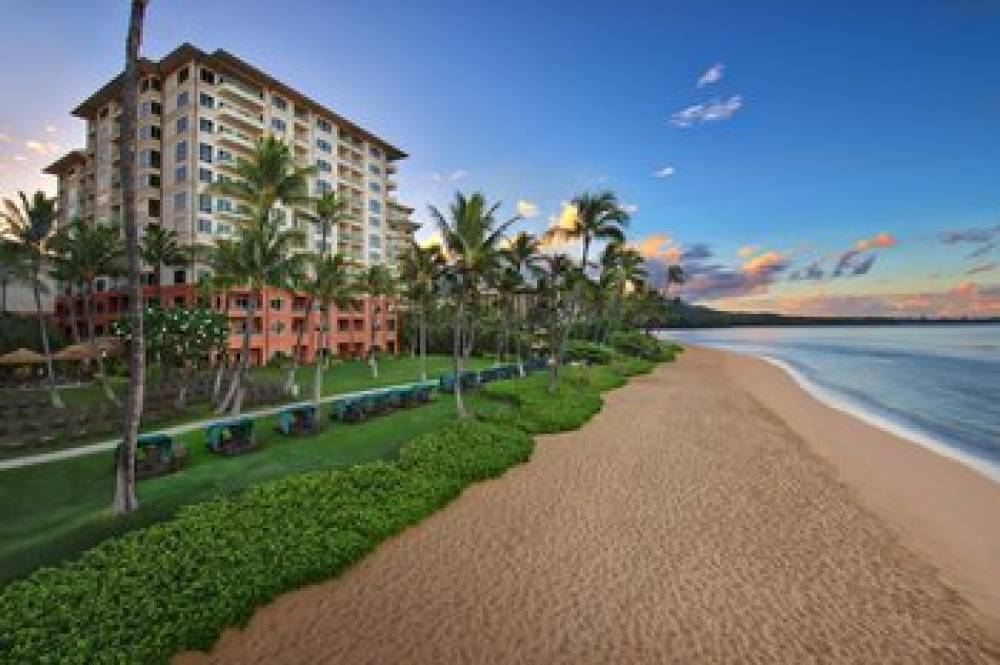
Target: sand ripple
x=684, y=524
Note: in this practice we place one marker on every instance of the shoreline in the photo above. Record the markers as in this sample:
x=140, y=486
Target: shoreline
x=941, y=506
x=701, y=516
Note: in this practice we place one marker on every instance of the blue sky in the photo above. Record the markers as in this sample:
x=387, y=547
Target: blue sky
x=826, y=124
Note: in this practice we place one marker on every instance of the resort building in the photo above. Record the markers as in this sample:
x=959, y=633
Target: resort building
x=198, y=113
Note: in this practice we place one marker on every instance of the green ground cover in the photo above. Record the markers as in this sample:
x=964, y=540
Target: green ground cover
x=177, y=584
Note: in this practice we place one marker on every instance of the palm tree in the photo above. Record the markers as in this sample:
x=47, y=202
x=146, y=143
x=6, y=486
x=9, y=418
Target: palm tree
x=159, y=248
x=376, y=283
x=331, y=285
x=83, y=252
x=420, y=270
x=13, y=269
x=621, y=268
x=520, y=255
x=125, y=500
x=330, y=209
x=223, y=265
x=31, y=226
x=555, y=275
x=598, y=216
x=263, y=251
x=471, y=238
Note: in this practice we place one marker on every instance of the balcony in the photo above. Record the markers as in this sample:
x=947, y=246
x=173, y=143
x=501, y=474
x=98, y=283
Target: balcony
x=234, y=138
x=253, y=121
x=241, y=91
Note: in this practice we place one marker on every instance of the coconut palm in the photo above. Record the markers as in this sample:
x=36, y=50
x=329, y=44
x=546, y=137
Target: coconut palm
x=31, y=226
x=331, y=284
x=262, y=251
x=13, y=269
x=159, y=248
x=598, y=217
x=622, y=269
x=125, y=500
x=555, y=277
x=420, y=270
x=82, y=253
x=520, y=255
x=470, y=236
x=377, y=283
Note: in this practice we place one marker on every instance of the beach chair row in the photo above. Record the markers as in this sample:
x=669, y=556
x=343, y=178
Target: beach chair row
x=356, y=408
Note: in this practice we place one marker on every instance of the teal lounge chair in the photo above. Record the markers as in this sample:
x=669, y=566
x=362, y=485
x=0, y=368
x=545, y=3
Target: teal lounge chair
x=298, y=420
x=230, y=437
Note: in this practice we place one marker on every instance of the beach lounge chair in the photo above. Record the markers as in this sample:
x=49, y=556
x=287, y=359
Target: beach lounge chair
x=348, y=410
x=157, y=455
x=230, y=437
x=298, y=420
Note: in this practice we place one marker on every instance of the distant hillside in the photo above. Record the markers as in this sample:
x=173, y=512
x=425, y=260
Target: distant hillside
x=683, y=315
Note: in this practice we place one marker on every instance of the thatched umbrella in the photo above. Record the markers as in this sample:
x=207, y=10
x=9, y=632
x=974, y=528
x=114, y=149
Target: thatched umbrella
x=21, y=357
x=81, y=351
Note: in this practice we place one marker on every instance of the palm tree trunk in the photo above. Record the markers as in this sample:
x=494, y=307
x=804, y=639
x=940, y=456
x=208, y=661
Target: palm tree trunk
x=423, y=344
x=239, y=377
x=125, y=499
x=89, y=315
x=372, y=323
x=318, y=378
x=457, y=352
x=46, y=350
x=3, y=297
x=291, y=384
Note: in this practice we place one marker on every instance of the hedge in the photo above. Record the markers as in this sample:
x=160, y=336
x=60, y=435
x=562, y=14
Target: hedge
x=177, y=585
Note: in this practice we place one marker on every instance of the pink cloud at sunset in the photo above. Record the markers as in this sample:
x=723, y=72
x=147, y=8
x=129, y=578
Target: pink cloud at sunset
x=880, y=241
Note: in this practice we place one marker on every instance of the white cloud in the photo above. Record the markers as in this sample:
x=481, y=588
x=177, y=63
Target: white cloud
x=701, y=113
x=50, y=129
x=712, y=75
x=664, y=172
x=458, y=175
x=630, y=208
x=4, y=138
x=527, y=209
x=20, y=158
x=46, y=149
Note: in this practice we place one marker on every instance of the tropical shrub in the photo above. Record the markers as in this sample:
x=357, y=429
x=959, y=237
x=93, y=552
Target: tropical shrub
x=176, y=585
x=579, y=350
x=641, y=345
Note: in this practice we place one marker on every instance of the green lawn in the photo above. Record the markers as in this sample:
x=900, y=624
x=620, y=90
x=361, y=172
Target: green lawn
x=339, y=378
x=51, y=511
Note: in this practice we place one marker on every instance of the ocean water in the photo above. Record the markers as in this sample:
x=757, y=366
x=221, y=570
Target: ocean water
x=937, y=385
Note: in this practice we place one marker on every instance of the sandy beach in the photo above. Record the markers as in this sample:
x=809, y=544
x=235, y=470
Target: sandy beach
x=712, y=512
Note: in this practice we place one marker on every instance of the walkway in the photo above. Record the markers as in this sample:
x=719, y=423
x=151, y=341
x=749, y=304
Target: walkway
x=102, y=446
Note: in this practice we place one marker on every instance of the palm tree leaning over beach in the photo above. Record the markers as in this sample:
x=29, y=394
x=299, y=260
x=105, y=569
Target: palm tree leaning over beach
x=263, y=250
x=420, y=271
x=125, y=500
x=470, y=238
x=31, y=227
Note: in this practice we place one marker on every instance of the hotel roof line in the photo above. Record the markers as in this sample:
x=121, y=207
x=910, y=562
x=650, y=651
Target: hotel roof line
x=225, y=61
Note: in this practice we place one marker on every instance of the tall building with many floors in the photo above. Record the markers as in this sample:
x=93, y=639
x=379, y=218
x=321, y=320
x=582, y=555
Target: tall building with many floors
x=198, y=113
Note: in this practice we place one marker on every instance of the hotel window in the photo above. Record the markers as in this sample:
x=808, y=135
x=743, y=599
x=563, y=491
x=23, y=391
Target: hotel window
x=205, y=175
x=204, y=225
x=182, y=99
x=182, y=75
x=278, y=125
x=207, y=101
x=182, y=124
x=180, y=202
x=374, y=241
x=279, y=103
x=324, y=125
x=323, y=145
x=374, y=222
x=374, y=258
x=322, y=187
x=207, y=76
x=221, y=228
x=375, y=187
x=278, y=216
x=181, y=151
x=204, y=203
x=154, y=84
x=374, y=169
x=180, y=276
x=323, y=165
x=374, y=206
x=223, y=205
x=149, y=132
x=151, y=180
x=206, y=125
x=181, y=174
x=225, y=156
x=155, y=108
x=153, y=208
x=149, y=159
x=276, y=304
x=375, y=153
x=205, y=153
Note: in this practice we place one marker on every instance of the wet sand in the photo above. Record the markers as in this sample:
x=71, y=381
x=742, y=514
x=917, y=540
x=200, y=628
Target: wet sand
x=687, y=523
